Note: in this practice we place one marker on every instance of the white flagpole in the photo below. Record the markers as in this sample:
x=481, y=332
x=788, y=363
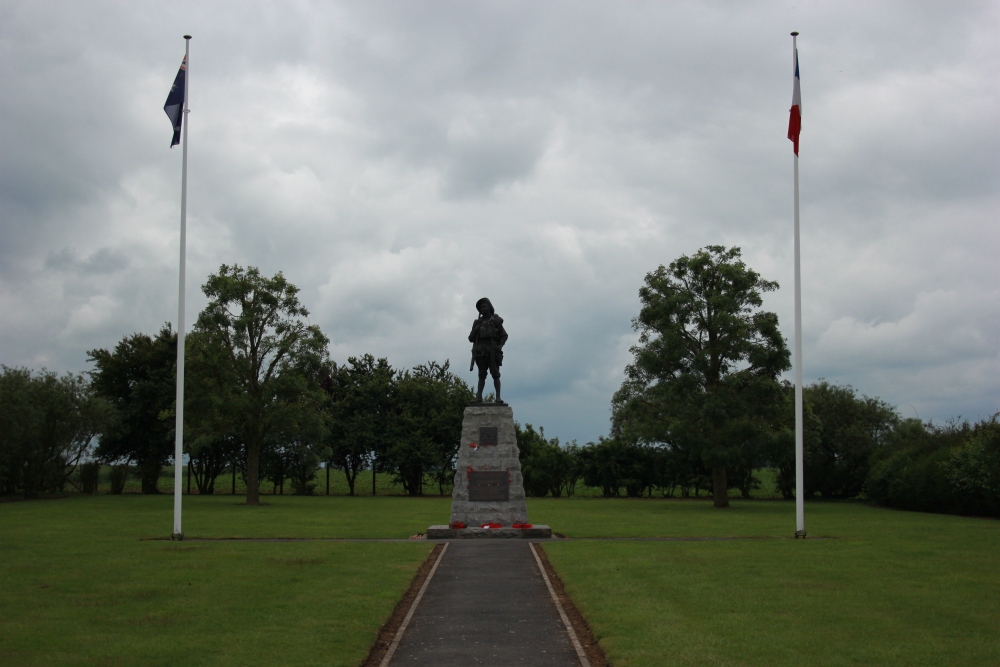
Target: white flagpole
x=800, y=512
x=179, y=406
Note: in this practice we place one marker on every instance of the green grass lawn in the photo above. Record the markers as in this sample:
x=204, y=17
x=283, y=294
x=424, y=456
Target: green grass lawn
x=81, y=588
x=888, y=588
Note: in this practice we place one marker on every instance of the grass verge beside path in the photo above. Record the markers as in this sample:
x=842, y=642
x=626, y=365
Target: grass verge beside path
x=80, y=588
x=894, y=588
x=889, y=588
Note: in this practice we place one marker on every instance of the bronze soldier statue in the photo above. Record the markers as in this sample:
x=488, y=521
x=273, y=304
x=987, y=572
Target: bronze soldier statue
x=487, y=338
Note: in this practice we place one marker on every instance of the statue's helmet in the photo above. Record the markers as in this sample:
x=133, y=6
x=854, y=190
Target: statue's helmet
x=485, y=301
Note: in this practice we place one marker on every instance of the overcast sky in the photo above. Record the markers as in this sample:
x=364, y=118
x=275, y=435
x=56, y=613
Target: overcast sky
x=399, y=160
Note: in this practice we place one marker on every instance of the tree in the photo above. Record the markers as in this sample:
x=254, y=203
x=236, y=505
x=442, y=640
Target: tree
x=304, y=462
x=780, y=447
x=675, y=468
x=139, y=378
x=547, y=466
x=705, y=371
x=47, y=424
x=209, y=458
x=298, y=450
x=361, y=413
x=952, y=468
x=973, y=469
x=850, y=430
x=602, y=464
x=265, y=356
x=429, y=406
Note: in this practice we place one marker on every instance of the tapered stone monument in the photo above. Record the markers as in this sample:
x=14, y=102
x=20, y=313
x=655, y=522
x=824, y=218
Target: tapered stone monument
x=489, y=489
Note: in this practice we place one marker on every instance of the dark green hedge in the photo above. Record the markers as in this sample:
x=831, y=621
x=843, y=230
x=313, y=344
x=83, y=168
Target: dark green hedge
x=953, y=469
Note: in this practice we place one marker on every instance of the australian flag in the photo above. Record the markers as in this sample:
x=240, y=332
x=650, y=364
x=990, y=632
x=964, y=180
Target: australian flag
x=174, y=106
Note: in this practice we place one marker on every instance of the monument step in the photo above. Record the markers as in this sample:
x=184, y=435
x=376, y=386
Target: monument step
x=449, y=533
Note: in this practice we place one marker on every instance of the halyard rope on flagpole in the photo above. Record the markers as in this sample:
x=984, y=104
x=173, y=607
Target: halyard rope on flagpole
x=179, y=405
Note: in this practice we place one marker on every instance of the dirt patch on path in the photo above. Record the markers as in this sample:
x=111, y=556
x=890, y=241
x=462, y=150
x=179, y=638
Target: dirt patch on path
x=595, y=654
x=388, y=631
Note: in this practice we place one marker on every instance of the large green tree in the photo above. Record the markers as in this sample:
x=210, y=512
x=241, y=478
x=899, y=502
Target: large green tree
x=138, y=377
x=266, y=358
x=851, y=429
x=705, y=372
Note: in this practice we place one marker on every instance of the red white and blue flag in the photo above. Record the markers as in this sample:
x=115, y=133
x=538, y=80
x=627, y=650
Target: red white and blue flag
x=795, y=114
x=174, y=106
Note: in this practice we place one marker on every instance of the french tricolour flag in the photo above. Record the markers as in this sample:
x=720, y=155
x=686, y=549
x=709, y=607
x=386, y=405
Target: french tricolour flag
x=795, y=114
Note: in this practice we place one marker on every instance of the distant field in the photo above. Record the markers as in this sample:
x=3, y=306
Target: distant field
x=384, y=486
x=225, y=484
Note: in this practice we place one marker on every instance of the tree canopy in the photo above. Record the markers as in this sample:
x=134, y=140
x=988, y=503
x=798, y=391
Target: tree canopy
x=266, y=359
x=704, y=378
x=430, y=402
x=138, y=378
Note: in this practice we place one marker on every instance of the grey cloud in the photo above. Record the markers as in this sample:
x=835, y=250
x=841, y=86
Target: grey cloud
x=102, y=261
x=398, y=160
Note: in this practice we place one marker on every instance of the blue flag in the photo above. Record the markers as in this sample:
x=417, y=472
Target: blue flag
x=174, y=106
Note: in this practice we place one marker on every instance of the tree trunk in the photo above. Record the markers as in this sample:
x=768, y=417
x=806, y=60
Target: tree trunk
x=253, y=479
x=149, y=475
x=720, y=489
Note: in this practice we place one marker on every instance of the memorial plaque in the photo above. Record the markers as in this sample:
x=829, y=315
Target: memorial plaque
x=488, y=436
x=489, y=485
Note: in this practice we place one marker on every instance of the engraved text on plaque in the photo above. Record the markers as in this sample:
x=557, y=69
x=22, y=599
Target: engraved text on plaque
x=488, y=436
x=489, y=485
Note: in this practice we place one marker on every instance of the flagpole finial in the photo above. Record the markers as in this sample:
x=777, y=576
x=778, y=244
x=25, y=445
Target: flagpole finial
x=189, y=36
x=794, y=34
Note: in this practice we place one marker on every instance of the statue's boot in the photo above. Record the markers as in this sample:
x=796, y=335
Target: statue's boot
x=496, y=386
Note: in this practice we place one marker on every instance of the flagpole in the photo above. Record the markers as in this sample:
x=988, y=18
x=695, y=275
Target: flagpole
x=179, y=405
x=800, y=514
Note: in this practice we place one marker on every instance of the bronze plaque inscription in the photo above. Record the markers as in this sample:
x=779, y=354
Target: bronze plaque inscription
x=488, y=436
x=489, y=485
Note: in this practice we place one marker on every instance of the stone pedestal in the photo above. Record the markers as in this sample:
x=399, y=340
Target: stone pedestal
x=489, y=488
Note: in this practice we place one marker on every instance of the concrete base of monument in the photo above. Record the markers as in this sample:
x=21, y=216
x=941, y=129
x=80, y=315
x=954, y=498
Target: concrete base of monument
x=449, y=533
x=488, y=487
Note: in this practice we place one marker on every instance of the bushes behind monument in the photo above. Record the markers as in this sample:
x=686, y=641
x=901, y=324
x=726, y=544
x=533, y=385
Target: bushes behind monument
x=856, y=447
x=953, y=468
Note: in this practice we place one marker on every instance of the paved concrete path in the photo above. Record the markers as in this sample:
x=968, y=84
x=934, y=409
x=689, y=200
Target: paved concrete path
x=487, y=604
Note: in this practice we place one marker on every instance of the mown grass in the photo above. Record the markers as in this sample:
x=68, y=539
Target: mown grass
x=887, y=588
x=81, y=588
